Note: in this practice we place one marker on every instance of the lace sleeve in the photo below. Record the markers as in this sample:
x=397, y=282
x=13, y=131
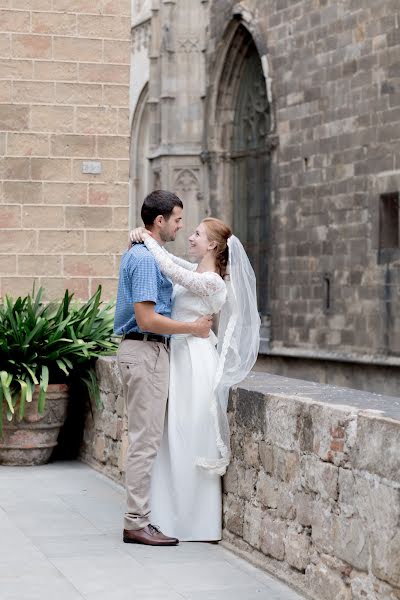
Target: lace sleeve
x=185, y=264
x=202, y=284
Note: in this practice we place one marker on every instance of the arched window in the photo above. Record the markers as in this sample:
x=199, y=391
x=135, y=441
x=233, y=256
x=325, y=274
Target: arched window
x=251, y=167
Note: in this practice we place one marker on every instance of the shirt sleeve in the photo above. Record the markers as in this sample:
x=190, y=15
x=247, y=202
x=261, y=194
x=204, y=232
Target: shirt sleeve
x=201, y=284
x=144, y=280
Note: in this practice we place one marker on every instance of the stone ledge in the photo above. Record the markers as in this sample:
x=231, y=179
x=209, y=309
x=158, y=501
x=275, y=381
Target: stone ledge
x=314, y=486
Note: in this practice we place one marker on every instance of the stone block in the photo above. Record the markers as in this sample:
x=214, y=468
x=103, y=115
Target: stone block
x=385, y=551
x=104, y=193
x=39, y=264
x=286, y=502
x=286, y=464
x=281, y=422
x=64, y=193
x=322, y=527
x=123, y=165
x=377, y=437
x=37, y=91
x=297, y=548
x=116, y=51
x=362, y=587
x=15, y=21
x=77, y=49
x=266, y=456
x=47, y=217
x=51, y=169
x=116, y=95
x=81, y=266
x=14, y=168
x=16, y=69
x=25, y=241
x=10, y=216
x=247, y=479
x=233, y=514
x=320, y=477
x=52, y=118
x=113, y=146
x=103, y=73
x=230, y=479
x=81, y=217
x=55, y=70
x=55, y=287
x=250, y=409
x=96, y=120
x=334, y=431
x=267, y=490
x=61, y=241
x=31, y=46
x=78, y=93
x=325, y=583
x=104, y=26
x=273, y=535
x=27, y=144
x=13, y=117
x=250, y=452
x=252, y=525
x=347, y=494
x=350, y=541
x=120, y=218
x=53, y=23
x=73, y=145
x=8, y=265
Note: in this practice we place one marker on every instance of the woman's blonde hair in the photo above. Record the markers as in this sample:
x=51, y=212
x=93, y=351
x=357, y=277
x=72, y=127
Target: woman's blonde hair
x=219, y=232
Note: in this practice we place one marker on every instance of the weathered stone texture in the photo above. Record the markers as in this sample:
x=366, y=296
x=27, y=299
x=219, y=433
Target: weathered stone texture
x=64, y=80
x=334, y=77
x=331, y=529
x=326, y=499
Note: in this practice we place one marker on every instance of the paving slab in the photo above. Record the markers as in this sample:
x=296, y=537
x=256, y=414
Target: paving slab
x=60, y=532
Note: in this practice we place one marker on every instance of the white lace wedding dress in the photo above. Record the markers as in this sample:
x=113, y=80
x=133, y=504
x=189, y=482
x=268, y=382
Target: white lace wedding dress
x=185, y=498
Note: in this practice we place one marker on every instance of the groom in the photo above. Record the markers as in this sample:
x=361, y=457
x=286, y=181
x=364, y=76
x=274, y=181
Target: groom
x=143, y=318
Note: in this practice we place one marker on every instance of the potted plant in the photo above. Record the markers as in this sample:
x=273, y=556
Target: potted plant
x=43, y=348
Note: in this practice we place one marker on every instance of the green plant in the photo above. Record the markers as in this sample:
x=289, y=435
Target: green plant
x=50, y=343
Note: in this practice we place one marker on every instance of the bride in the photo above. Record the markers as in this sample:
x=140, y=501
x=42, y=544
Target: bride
x=195, y=451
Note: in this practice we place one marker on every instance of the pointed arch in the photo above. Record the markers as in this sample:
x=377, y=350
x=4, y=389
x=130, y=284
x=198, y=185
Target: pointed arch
x=239, y=142
x=140, y=167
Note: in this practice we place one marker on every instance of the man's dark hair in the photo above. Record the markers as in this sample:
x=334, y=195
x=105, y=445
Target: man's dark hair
x=159, y=202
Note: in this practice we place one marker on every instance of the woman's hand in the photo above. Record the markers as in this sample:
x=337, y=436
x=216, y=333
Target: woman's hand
x=138, y=235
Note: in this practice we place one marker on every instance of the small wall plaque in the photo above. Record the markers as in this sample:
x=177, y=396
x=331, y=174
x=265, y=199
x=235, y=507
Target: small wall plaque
x=91, y=166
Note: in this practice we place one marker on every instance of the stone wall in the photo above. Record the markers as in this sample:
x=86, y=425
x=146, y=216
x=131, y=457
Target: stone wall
x=313, y=490
x=64, y=88
x=333, y=71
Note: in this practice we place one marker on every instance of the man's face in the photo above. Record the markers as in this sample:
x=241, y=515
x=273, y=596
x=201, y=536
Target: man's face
x=170, y=227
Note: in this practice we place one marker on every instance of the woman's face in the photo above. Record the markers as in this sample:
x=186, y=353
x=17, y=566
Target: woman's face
x=199, y=243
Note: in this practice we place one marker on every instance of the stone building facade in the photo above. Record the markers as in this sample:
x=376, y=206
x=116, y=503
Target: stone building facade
x=64, y=116
x=283, y=118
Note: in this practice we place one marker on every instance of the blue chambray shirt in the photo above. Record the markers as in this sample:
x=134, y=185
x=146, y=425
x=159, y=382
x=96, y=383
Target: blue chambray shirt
x=140, y=280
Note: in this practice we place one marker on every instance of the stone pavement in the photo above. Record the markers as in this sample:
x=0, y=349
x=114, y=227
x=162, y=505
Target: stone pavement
x=60, y=539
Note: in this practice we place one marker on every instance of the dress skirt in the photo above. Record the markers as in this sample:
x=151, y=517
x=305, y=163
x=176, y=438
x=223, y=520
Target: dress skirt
x=186, y=500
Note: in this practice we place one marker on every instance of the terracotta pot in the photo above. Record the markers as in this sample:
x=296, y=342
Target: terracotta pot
x=31, y=441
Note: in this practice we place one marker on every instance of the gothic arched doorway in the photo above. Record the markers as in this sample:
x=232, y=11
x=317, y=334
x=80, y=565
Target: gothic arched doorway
x=251, y=166
x=239, y=144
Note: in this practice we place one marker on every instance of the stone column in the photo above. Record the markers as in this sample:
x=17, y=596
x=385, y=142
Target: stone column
x=177, y=88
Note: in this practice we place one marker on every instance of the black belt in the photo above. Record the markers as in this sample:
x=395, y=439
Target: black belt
x=147, y=337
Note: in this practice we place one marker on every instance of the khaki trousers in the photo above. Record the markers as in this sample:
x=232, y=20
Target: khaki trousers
x=144, y=368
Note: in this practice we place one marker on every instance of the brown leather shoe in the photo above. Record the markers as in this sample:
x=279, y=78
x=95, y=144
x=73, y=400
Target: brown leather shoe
x=149, y=535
